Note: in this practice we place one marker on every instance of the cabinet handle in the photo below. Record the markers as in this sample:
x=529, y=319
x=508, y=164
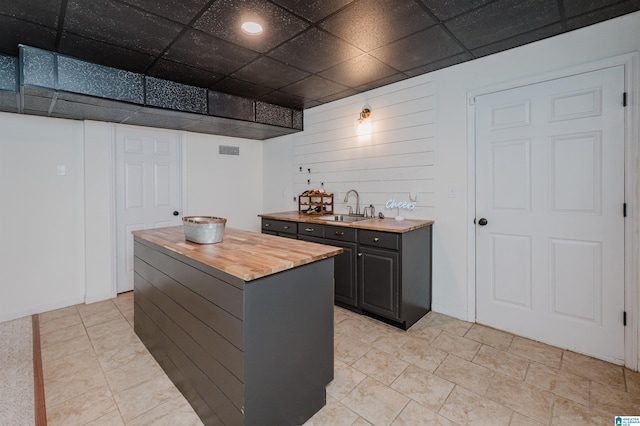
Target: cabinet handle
x=286, y=227
x=376, y=239
x=339, y=233
x=266, y=225
x=359, y=254
x=309, y=229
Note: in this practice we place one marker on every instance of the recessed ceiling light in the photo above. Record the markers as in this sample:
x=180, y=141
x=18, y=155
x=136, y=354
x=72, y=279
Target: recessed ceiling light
x=252, y=28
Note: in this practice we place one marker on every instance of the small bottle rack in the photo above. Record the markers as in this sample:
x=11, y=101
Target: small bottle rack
x=315, y=202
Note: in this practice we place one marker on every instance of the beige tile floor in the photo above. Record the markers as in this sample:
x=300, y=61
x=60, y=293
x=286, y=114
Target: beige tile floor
x=442, y=371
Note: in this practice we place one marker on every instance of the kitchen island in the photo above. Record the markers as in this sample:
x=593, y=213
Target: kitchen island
x=244, y=327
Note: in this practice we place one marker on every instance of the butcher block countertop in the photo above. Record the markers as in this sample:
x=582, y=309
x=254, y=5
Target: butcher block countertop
x=243, y=254
x=374, y=224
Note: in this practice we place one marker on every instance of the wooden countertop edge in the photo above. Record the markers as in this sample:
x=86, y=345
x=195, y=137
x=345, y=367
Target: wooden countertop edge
x=264, y=255
x=374, y=224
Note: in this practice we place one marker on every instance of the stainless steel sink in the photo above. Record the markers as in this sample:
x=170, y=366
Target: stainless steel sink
x=342, y=218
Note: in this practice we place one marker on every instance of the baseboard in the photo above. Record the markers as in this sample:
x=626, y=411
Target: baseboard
x=99, y=298
x=41, y=308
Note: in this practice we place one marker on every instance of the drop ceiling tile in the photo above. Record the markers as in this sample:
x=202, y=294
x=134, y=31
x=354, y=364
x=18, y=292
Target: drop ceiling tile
x=358, y=71
x=505, y=18
x=209, y=53
x=313, y=10
x=104, y=53
x=426, y=46
x=313, y=87
x=237, y=87
x=224, y=17
x=605, y=13
x=450, y=8
x=339, y=95
x=315, y=51
x=286, y=99
x=374, y=23
x=443, y=63
x=35, y=11
x=183, y=73
x=14, y=31
x=121, y=25
x=578, y=7
x=519, y=40
x=382, y=82
x=270, y=73
x=182, y=11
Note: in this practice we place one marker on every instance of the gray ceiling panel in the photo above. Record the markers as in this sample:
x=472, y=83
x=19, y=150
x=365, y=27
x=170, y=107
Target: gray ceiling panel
x=503, y=19
x=380, y=18
x=224, y=18
x=315, y=51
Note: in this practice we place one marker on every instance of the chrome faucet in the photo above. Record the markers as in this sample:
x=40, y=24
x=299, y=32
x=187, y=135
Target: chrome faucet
x=346, y=198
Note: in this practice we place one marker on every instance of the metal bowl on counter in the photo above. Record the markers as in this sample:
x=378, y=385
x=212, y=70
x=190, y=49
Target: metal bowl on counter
x=203, y=229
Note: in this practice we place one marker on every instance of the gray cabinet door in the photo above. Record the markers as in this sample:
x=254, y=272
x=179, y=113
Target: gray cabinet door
x=379, y=281
x=346, y=288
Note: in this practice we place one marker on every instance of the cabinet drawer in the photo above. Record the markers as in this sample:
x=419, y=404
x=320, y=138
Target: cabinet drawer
x=379, y=239
x=340, y=233
x=310, y=229
x=279, y=226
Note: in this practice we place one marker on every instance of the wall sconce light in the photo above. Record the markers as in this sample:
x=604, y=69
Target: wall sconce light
x=363, y=123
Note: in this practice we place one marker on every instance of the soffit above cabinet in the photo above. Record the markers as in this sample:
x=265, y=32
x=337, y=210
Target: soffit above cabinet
x=44, y=83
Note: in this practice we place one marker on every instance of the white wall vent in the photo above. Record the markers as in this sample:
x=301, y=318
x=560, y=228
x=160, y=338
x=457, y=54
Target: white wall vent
x=229, y=150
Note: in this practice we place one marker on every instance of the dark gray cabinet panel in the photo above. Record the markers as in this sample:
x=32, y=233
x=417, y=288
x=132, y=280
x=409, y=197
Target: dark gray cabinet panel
x=282, y=228
x=340, y=233
x=395, y=274
x=379, y=280
x=345, y=274
x=311, y=229
x=346, y=264
x=379, y=239
x=385, y=274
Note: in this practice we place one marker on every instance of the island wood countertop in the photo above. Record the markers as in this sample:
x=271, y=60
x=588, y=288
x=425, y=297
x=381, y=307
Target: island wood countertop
x=374, y=224
x=243, y=254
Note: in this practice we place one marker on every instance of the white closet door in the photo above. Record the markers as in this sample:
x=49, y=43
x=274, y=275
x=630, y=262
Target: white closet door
x=147, y=189
x=550, y=184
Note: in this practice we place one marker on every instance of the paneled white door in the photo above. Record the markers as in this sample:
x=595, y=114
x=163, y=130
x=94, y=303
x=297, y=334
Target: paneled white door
x=147, y=190
x=549, y=212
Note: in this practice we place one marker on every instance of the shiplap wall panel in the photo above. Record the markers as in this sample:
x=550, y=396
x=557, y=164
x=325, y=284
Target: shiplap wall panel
x=396, y=160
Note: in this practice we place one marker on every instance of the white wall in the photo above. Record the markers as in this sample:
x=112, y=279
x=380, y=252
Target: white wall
x=57, y=245
x=99, y=218
x=226, y=186
x=401, y=114
x=42, y=258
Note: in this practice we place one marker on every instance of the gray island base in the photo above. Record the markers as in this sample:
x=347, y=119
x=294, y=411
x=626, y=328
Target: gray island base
x=253, y=351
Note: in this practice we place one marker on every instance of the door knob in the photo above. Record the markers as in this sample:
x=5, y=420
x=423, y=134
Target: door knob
x=176, y=213
x=482, y=221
